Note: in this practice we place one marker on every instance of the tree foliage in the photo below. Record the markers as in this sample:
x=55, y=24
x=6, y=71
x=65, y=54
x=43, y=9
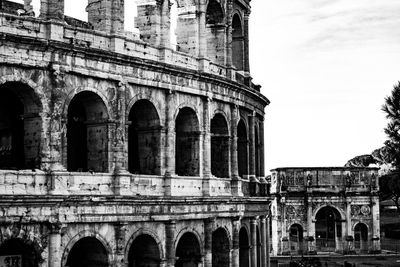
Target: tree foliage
x=390, y=183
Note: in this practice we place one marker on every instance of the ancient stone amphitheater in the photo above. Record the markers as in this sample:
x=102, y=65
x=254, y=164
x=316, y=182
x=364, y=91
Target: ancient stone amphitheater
x=117, y=150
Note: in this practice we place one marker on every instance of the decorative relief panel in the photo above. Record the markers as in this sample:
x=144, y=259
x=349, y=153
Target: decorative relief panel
x=360, y=210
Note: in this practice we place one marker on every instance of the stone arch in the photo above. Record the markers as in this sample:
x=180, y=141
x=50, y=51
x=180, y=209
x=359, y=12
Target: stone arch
x=22, y=125
x=144, y=231
x=243, y=148
x=144, y=138
x=296, y=235
x=226, y=117
x=87, y=136
x=192, y=231
x=215, y=32
x=220, y=248
x=192, y=107
x=86, y=234
x=144, y=250
x=244, y=247
x=187, y=143
x=143, y=96
x=341, y=212
x=21, y=252
x=238, y=41
x=78, y=90
x=328, y=228
x=220, y=146
x=188, y=249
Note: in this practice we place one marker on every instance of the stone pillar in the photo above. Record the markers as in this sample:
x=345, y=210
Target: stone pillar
x=165, y=29
x=263, y=232
x=206, y=148
x=267, y=245
x=208, y=230
x=252, y=147
x=106, y=16
x=228, y=49
x=310, y=225
x=349, y=232
x=262, y=148
x=149, y=21
x=202, y=29
x=235, y=241
x=169, y=146
x=54, y=258
x=253, y=240
x=120, y=230
x=246, y=41
x=52, y=9
x=170, y=229
x=375, y=238
x=187, y=30
x=236, y=183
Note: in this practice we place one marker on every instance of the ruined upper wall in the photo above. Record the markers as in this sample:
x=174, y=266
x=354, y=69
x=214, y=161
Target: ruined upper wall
x=213, y=33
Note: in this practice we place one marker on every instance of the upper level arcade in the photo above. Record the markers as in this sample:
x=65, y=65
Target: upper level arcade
x=210, y=36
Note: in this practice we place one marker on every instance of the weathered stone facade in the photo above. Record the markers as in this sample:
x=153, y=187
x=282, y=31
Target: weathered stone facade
x=119, y=151
x=325, y=210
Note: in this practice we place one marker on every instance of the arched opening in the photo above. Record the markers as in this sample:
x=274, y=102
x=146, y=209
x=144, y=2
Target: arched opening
x=188, y=252
x=144, y=252
x=87, y=133
x=20, y=127
x=237, y=43
x=244, y=246
x=215, y=32
x=187, y=143
x=328, y=228
x=242, y=149
x=144, y=137
x=296, y=238
x=88, y=252
x=361, y=237
x=219, y=146
x=220, y=248
x=15, y=252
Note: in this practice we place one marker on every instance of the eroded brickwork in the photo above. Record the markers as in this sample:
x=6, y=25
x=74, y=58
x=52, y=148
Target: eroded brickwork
x=119, y=151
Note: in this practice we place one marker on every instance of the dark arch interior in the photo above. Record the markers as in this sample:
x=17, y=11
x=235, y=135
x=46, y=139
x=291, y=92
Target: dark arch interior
x=20, y=127
x=219, y=146
x=242, y=149
x=144, y=134
x=220, y=248
x=296, y=237
x=18, y=253
x=361, y=237
x=187, y=143
x=244, y=246
x=327, y=227
x=144, y=252
x=88, y=252
x=214, y=13
x=188, y=251
x=87, y=133
x=237, y=43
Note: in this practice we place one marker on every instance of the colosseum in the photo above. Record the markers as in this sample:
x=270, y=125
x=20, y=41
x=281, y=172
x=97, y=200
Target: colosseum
x=119, y=149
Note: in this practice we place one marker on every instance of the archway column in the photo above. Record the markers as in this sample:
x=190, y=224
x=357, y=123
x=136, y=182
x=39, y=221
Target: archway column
x=235, y=242
x=263, y=232
x=168, y=150
x=208, y=230
x=253, y=240
x=206, y=149
x=54, y=258
x=170, y=229
x=310, y=224
x=236, y=183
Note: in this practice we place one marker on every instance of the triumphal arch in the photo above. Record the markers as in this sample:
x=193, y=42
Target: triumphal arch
x=120, y=148
x=321, y=210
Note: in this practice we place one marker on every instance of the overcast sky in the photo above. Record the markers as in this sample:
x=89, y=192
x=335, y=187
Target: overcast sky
x=326, y=66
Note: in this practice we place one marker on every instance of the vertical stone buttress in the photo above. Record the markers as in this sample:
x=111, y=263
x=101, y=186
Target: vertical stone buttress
x=236, y=183
x=170, y=229
x=267, y=234
x=253, y=239
x=235, y=241
x=262, y=150
x=169, y=146
x=206, y=148
x=252, y=149
x=150, y=21
x=208, y=229
x=228, y=43
x=246, y=41
x=52, y=9
x=107, y=16
x=54, y=258
x=263, y=232
x=376, y=245
x=120, y=230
